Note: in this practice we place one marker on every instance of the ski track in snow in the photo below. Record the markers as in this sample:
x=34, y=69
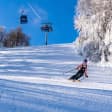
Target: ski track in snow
x=33, y=80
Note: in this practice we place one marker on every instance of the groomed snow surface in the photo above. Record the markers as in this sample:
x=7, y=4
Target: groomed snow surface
x=33, y=79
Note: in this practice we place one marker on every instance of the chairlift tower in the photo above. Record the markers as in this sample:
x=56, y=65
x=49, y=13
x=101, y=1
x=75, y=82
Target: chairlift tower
x=46, y=27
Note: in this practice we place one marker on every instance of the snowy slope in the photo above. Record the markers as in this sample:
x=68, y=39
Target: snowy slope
x=33, y=80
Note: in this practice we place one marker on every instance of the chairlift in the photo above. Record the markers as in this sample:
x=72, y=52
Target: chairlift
x=23, y=19
x=46, y=27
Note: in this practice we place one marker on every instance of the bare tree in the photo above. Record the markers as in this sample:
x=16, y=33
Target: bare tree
x=3, y=36
x=16, y=38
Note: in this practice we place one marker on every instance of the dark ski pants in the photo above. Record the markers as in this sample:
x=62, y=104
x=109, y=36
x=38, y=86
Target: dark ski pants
x=77, y=75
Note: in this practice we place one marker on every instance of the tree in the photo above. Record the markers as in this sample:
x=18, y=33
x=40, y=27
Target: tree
x=94, y=23
x=16, y=38
x=3, y=36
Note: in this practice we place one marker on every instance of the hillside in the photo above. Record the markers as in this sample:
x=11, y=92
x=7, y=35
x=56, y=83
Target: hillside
x=32, y=79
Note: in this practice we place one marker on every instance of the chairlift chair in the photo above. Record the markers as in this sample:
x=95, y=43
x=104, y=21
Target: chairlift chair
x=46, y=28
x=23, y=19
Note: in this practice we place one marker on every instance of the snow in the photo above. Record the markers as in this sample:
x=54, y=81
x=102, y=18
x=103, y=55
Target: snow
x=33, y=79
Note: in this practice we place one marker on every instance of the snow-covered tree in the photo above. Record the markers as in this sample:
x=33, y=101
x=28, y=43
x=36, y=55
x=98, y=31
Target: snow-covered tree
x=93, y=20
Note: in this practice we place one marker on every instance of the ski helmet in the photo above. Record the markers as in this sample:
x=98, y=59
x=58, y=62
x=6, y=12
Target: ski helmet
x=85, y=60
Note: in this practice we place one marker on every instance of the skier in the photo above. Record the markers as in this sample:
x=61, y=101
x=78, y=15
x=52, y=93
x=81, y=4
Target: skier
x=82, y=69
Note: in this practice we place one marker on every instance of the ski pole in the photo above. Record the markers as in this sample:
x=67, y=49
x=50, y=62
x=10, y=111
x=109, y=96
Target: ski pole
x=68, y=71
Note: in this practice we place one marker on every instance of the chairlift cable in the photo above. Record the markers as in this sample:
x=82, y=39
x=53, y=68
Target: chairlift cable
x=33, y=10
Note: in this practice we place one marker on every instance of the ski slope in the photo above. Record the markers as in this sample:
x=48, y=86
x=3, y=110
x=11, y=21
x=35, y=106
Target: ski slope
x=33, y=79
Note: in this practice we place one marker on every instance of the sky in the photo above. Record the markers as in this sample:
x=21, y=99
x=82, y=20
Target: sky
x=58, y=12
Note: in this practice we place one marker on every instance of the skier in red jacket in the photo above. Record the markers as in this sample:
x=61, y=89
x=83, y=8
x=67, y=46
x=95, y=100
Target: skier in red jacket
x=82, y=70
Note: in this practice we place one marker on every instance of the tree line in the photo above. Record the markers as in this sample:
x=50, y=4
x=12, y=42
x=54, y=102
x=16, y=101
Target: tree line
x=13, y=38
